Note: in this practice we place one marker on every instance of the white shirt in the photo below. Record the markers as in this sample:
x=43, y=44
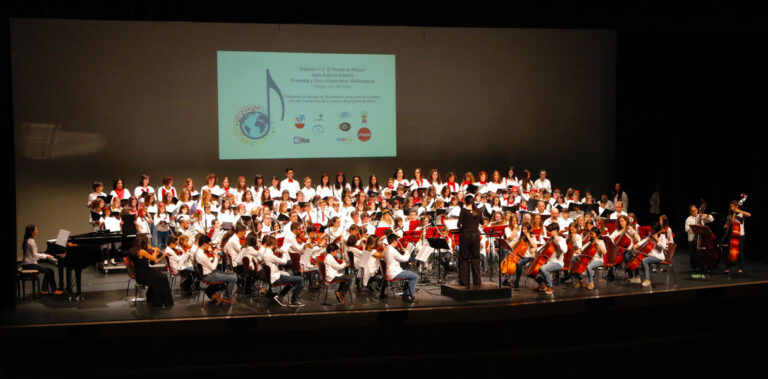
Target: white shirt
x=660, y=247
x=92, y=196
x=309, y=193
x=323, y=192
x=693, y=221
x=248, y=251
x=126, y=194
x=539, y=184
x=232, y=248
x=333, y=269
x=161, y=191
x=215, y=190
x=273, y=261
x=616, y=215
x=393, y=259
x=507, y=182
x=31, y=254
x=208, y=264
x=139, y=191
x=292, y=185
x=562, y=248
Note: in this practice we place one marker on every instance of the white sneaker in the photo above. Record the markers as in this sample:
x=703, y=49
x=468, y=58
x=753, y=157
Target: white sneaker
x=279, y=300
x=112, y=261
x=635, y=280
x=646, y=283
x=106, y=262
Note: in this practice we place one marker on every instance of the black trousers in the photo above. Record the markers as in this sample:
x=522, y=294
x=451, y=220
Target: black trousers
x=49, y=282
x=469, y=255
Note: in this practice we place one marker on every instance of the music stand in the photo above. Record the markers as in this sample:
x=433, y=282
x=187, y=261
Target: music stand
x=438, y=244
x=702, y=233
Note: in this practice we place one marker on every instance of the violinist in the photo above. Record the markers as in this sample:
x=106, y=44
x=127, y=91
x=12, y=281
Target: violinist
x=209, y=260
x=370, y=245
x=555, y=262
x=234, y=244
x=315, y=246
x=334, y=270
x=273, y=258
x=658, y=254
x=141, y=254
x=173, y=251
x=393, y=258
x=533, y=243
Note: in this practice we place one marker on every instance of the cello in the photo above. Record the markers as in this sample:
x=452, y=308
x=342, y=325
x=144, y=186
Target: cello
x=588, y=252
x=642, y=251
x=542, y=257
x=509, y=265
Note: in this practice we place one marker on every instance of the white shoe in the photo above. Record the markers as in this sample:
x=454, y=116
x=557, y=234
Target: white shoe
x=112, y=261
x=279, y=300
x=636, y=280
x=106, y=262
x=646, y=283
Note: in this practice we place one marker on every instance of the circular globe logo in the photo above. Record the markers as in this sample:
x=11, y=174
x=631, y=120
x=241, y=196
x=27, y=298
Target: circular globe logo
x=254, y=125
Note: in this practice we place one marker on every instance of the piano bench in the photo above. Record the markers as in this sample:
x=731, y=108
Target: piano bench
x=22, y=277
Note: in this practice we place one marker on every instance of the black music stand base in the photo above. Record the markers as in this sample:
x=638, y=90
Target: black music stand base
x=485, y=291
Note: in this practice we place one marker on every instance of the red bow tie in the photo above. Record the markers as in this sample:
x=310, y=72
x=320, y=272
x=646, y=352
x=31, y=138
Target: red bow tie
x=290, y=180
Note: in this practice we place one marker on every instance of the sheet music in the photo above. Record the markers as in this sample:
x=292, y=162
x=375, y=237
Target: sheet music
x=451, y=223
x=424, y=253
x=62, y=238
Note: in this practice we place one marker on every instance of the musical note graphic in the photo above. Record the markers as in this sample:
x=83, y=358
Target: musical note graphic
x=256, y=125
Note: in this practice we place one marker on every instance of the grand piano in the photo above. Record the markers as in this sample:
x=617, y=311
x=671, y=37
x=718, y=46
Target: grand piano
x=84, y=250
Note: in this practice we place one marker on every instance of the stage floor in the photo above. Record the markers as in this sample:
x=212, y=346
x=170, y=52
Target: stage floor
x=105, y=303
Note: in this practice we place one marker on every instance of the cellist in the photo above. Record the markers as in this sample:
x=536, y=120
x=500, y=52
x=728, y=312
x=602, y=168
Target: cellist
x=597, y=259
x=660, y=239
x=525, y=233
x=555, y=262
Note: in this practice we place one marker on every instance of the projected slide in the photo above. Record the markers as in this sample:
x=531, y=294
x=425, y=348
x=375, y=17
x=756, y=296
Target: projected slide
x=297, y=105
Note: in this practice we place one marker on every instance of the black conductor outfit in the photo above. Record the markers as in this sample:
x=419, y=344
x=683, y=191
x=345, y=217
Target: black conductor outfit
x=469, y=245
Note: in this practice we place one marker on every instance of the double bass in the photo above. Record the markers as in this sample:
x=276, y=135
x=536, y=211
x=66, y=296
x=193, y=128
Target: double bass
x=734, y=232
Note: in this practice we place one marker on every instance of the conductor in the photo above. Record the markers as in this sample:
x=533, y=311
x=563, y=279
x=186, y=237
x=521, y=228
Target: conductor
x=470, y=218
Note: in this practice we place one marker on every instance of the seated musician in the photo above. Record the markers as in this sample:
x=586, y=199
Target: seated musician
x=334, y=270
x=658, y=254
x=181, y=258
x=534, y=242
x=619, y=211
x=274, y=257
x=158, y=292
x=597, y=259
x=622, y=225
x=555, y=262
x=393, y=259
x=32, y=261
x=209, y=261
x=233, y=244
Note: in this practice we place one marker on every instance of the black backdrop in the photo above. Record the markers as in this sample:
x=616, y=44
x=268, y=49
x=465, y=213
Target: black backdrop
x=688, y=84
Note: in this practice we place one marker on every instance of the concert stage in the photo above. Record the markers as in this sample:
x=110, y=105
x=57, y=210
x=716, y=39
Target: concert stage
x=614, y=317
